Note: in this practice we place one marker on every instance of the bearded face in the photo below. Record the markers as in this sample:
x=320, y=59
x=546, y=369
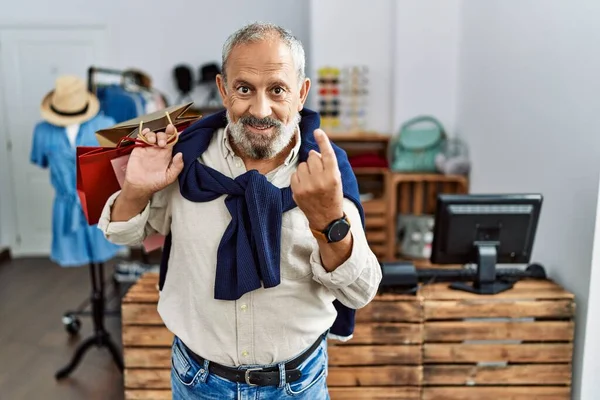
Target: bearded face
x=262, y=138
x=263, y=92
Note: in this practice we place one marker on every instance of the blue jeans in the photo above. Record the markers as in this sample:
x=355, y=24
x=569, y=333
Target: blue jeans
x=191, y=381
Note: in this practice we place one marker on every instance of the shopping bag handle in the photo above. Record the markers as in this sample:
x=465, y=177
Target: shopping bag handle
x=142, y=141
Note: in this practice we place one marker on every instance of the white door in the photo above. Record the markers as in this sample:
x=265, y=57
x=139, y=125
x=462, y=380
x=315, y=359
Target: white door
x=30, y=61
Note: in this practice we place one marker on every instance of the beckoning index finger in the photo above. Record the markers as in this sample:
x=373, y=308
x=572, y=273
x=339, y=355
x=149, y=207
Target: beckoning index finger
x=325, y=148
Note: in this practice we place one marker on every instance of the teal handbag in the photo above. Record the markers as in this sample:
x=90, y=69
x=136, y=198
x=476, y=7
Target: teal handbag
x=415, y=148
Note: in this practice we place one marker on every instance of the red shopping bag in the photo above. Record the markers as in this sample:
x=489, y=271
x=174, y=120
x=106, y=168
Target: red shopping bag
x=96, y=180
x=119, y=165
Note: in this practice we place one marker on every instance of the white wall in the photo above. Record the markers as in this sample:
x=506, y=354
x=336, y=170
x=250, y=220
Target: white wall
x=426, y=60
x=528, y=104
x=356, y=32
x=6, y=198
x=154, y=36
x=157, y=35
x=410, y=47
x=590, y=387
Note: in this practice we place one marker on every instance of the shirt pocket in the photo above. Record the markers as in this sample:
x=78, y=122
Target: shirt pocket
x=297, y=245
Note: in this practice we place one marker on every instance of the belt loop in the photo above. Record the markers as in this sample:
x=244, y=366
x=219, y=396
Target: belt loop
x=204, y=372
x=282, y=379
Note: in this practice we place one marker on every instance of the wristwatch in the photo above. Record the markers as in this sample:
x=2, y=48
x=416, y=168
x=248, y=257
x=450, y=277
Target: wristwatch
x=335, y=231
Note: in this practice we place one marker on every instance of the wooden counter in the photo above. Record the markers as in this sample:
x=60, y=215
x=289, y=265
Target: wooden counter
x=513, y=345
x=438, y=344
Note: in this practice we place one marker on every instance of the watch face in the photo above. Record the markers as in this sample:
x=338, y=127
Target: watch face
x=338, y=231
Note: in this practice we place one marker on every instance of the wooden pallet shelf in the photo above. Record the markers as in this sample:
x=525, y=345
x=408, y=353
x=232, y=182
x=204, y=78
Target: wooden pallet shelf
x=437, y=344
x=397, y=193
x=516, y=344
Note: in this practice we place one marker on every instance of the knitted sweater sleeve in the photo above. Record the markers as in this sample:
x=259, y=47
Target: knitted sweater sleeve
x=154, y=218
x=355, y=282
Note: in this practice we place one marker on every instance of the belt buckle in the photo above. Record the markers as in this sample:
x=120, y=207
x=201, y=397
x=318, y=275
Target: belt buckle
x=247, y=375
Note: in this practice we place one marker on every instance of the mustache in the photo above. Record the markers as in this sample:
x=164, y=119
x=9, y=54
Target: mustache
x=267, y=121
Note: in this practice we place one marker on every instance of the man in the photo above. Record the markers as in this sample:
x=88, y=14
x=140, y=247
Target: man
x=265, y=249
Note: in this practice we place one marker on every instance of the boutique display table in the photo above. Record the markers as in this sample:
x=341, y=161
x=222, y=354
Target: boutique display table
x=437, y=344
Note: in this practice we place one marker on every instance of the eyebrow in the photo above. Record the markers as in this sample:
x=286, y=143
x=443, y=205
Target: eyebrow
x=278, y=82
x=275, y=82
x=242, y=82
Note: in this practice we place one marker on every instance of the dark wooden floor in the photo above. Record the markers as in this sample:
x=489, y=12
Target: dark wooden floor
x=34, y=293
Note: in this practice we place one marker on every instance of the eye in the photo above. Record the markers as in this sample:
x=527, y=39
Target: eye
x=243, y=89
x=278, y=90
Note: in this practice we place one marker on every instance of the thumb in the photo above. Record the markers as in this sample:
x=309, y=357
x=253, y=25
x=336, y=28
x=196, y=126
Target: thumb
x=175, y=167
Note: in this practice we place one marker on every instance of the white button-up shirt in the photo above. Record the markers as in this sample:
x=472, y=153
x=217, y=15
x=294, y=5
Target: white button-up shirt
x=266, y=325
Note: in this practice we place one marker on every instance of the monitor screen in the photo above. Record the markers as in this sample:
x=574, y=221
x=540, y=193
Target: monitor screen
x=464, y=223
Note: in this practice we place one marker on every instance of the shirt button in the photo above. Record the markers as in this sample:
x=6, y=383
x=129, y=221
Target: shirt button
x=243, y=307
x=238, y=164
x=245, y=353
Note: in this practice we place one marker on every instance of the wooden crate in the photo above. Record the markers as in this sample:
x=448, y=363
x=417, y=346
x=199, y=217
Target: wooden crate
x=376, y=226
x=372, y=180
x=384, y=358
x=439, y=344
x=513, y=345
x=416, y=194
x=382, y=361
x=146, y=343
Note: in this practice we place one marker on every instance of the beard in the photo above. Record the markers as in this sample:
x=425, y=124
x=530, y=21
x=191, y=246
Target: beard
x=266, y=145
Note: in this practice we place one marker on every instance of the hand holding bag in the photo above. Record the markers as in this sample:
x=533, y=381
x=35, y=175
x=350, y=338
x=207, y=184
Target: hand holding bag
x=156, y=122
x=96, y=178
x=119, y=165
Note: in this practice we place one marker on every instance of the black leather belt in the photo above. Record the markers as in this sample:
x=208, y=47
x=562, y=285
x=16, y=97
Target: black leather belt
x=259, y=376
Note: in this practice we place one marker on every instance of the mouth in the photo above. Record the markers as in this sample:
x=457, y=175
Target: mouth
x=261, y=129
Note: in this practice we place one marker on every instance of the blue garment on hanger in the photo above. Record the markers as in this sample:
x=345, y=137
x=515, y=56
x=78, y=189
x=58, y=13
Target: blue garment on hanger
x=119, y=104
x=74, y=242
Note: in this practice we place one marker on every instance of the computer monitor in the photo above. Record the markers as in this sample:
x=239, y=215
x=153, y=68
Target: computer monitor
x=485, y=229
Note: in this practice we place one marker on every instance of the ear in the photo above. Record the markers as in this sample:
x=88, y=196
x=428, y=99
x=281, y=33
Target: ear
x=303, y=93
x=222, y=89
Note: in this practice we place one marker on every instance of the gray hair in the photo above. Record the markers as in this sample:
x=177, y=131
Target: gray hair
x=258, y=31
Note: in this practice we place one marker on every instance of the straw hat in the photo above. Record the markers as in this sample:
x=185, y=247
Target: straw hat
x=69, y=103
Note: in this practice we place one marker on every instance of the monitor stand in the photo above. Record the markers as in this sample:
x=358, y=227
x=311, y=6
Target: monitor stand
x=485, y=276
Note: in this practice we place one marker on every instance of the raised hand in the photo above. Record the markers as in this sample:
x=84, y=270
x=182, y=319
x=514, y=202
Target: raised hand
x=317, y=185
x=153, y=168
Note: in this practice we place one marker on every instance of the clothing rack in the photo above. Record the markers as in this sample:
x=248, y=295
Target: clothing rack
x=92, y=71
x=131, y=80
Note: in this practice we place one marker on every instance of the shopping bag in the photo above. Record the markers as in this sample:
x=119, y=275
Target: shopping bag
x=156, y=122
x=96, y=180
x=119, y=165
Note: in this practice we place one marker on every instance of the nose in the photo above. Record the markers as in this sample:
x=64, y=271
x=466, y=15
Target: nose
x=261, y=106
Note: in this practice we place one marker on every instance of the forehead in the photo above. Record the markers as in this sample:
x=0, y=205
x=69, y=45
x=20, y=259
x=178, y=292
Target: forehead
x=265, y=59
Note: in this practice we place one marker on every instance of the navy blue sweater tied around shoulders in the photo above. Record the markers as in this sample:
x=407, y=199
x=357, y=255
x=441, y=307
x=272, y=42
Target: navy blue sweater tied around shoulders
x=249, y=251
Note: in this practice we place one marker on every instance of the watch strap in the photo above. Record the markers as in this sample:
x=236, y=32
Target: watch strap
x=323, y=235
x=319, y=235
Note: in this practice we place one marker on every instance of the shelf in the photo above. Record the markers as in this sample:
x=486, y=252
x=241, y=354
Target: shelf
x=418, y=177
x=370, y=170
x=358, y=137
x=374, y=222
x=376, y=237
x=375, y=206
x=396, y=193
